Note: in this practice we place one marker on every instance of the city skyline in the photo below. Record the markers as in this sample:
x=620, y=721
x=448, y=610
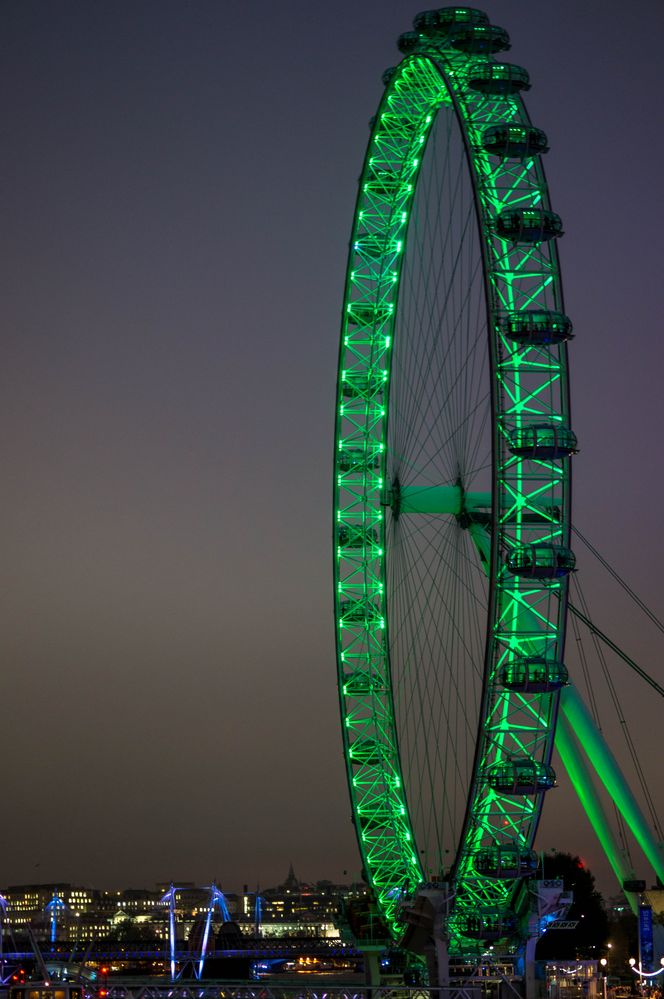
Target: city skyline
x=179, y=190
x=184, y=884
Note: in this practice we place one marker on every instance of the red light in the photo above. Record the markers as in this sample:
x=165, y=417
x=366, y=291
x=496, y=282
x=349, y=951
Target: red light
x=104, y=971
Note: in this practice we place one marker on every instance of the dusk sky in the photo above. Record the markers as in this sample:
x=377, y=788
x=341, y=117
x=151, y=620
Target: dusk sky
x=178, y=180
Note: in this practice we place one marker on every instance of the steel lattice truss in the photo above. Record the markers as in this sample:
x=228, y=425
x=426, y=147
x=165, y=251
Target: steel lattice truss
x=530, y=498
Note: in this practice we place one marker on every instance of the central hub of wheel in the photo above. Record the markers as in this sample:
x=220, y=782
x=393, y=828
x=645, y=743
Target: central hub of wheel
x=466, y=507
x=395, y=498
x=462, y=517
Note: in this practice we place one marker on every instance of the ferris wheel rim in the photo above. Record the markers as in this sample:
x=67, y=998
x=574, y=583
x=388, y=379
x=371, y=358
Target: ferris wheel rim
x=450, y=67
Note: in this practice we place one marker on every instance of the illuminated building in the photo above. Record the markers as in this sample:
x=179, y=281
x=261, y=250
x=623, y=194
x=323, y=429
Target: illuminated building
x=292, y=909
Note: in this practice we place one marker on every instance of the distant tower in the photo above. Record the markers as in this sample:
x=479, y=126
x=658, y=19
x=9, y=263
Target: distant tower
x=54, y=908
x=291, y=881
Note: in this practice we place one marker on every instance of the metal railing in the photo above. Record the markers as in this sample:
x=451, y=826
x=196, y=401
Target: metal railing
x=159, y=989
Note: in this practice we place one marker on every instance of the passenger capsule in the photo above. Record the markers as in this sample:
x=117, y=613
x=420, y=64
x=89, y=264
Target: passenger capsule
x=354, y=612
x=520, y=776
x=374, y=245
x=408, y=42
x=363, y=384
x=541, y=561
x=356, y=537
x=499, y=79
x=385, y=182
x=434, y=23
x=508, y=862
x=380, y=818
x=544, y=441
x=388, y=75
x=485, y=925
x=362, y=683
x=528, y=225
x=514, y=141
x=367, y=752
x=536, y=327
x=533, y=675
x=479, y=39
x=368, y=313
x=359, y=458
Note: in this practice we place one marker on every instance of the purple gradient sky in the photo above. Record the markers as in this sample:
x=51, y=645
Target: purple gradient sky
x=177, y=187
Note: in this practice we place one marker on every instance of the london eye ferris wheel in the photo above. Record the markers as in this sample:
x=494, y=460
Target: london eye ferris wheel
x=452, y=480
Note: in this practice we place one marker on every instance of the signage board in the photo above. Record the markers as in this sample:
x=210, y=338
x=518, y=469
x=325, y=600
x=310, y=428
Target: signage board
x=646, y=947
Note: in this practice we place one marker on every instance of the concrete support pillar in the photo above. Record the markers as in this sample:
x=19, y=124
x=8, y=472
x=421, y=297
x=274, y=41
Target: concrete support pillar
x=426, y=919
x=371, y=960
x=530, y=982
x=438, y=962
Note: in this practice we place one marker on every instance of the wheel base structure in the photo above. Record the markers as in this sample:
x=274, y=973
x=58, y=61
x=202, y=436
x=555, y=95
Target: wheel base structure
x=426, y=918
x=548, y=901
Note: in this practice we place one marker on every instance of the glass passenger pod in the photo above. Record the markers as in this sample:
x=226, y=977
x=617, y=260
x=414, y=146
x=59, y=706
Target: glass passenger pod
x=435, y=22
x=541, y=561
x=520, y=776
x=537, y=327
x=499, y=79
x=362, y=684
x=388, y=74
x=543, y=441
x=363, y=384
x=384, y=182
x=368, y=313
x=362, y=612
x=375, y=821
x=479, y=39
x=437, y=25
x=367, y=752
x=373, y=246
x=505, y=862
x=515, y=141
x=528, y=225
x=485, y=926
x=533, y=675
x=408, y=41
x=359, y=457
x=357, y=537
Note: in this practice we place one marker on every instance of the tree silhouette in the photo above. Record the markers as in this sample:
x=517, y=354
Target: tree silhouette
x=589, y=938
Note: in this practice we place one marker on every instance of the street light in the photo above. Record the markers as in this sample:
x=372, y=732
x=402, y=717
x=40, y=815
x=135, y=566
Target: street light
x=645, y=974
x=603, y=962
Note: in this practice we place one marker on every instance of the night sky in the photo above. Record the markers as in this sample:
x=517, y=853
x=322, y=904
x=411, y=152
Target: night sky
x=177, y=189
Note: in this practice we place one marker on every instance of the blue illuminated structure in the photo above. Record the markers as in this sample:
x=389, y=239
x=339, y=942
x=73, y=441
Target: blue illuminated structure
x=55, y=906
x=217, y=900
x=169, y=898
x=258, y=913
x=3, y=917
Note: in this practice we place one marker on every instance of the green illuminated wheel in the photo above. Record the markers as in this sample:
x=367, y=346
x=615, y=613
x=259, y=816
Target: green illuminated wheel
x=452, y=482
